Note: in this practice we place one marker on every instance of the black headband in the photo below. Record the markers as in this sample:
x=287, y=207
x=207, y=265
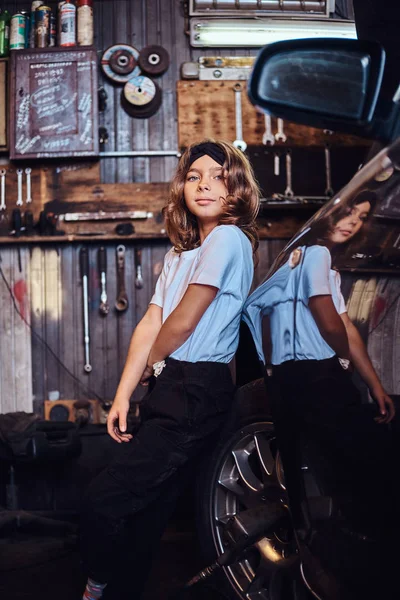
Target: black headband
x=209, y=148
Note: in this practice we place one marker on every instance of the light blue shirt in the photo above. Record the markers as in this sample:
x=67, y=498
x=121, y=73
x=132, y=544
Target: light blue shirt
x=225, y=261
x=294, y=332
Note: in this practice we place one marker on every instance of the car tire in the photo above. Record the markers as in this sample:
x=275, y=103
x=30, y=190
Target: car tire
x=234, y=478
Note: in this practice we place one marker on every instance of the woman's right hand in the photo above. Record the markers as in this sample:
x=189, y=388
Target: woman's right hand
x=116, y=421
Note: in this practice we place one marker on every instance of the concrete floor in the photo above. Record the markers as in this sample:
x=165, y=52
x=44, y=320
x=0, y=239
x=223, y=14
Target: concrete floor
x=47, y=569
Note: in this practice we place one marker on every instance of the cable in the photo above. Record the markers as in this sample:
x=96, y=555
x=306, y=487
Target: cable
x=90, y=392
x=385, y=315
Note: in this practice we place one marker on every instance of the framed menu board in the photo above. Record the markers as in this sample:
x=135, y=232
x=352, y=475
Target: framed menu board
x=53, y=103
x=3, y=104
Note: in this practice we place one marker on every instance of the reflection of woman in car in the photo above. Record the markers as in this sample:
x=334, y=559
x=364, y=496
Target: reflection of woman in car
x=314, y=345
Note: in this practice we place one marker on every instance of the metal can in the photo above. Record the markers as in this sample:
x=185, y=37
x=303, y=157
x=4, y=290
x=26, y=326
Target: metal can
x=34, y=6
x=85, y=22
x=59, y=21
x=42, y=26
x=27, y=26
x=53, y=30
x=68, y=24
x=5, y=18
x=17, y=32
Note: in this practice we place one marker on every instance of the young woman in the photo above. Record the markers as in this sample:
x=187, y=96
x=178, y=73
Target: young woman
x=182, y=347
x=317, y=410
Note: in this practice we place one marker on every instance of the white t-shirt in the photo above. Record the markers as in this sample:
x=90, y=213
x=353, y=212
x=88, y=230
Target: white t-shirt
x=225, y=261
x=275, y=297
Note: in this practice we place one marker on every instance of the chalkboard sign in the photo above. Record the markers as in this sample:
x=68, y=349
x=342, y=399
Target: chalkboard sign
x=53, y=103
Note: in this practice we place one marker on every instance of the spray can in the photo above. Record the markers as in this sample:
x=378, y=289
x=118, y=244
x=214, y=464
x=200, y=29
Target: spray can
x=42, y=21
x=85, y=22
x=53, y=30
x=35, y=5
x=68, y=24
x=5, y=19
x=17, y=32
x=59, y=21
x=27, y=16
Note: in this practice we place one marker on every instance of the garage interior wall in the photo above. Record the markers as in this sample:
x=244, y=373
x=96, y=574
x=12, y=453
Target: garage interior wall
x=47, y=278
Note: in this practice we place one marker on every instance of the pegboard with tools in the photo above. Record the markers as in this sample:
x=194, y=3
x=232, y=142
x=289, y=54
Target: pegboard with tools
x=68, y=203
x=209, y=109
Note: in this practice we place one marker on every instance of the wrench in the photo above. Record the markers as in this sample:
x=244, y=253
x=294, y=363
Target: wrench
x=84, y=263
x=268, y=138
x=3, y=189
x=280, y=135
x=121, y=302
x=328, y=191
x=19, y=175
x=139, y=274
x=277, y=164
x=289, y=191
x=102, y=262
x=28, y=172
x=239, y=142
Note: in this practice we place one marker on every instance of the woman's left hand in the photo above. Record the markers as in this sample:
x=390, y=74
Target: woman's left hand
x=385, y=404
x=147, y=373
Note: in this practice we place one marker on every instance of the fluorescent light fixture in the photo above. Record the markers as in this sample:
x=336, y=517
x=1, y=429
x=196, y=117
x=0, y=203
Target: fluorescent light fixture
x=261, y=8
x=225, y=33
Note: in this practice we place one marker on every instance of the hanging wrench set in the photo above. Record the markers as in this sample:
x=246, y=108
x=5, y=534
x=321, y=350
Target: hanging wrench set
x=121, y=301
x=19, y=206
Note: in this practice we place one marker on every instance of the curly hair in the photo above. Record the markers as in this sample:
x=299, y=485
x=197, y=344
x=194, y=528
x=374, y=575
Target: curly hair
x=241, y=205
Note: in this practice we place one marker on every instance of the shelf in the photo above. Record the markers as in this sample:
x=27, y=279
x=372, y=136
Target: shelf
x=60, y=239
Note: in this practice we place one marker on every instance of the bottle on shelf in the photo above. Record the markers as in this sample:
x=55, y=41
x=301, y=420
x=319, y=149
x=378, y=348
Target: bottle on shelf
x=85, y=22
x=67, y=14
x=5, y=19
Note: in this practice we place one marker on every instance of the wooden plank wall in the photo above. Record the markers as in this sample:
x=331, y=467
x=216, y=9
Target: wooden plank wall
x=51, y=274
x=57, y=315
x=15, y=336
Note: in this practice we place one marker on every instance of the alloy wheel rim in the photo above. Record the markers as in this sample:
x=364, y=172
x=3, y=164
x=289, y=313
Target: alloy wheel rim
x=246, y=473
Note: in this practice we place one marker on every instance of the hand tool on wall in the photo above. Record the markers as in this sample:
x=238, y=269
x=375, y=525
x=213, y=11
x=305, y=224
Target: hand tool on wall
x=289, y=191
x=121, y=303
x=277, y=164
x=28, y=223
x=101, y=215
x=239, y=142
x=102, y=262
x=3, y=189
x=19, y=179
x=84, y=262
x=138, y=264
x=28, y=172
x=328, y=174
x=268, y=137
x=16, y=222
x=280, y=135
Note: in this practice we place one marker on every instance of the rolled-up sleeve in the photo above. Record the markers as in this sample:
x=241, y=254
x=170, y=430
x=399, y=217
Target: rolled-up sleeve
x=220, y=256
x=316, y=270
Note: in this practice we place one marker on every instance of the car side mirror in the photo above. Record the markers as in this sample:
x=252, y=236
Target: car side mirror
x=327, y=83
